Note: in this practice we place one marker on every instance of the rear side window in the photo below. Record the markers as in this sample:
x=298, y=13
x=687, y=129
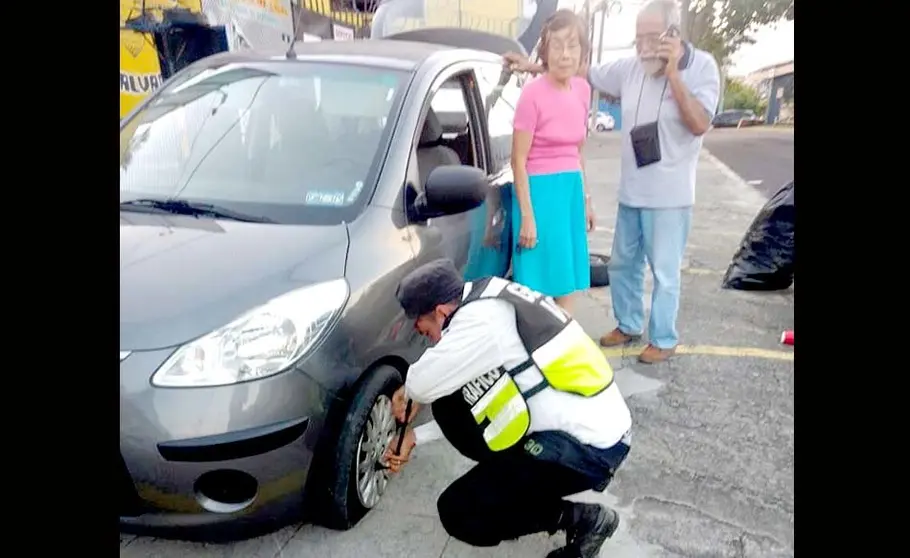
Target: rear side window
x=450, y=108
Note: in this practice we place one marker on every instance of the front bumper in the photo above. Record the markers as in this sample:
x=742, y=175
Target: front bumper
x=214, y=455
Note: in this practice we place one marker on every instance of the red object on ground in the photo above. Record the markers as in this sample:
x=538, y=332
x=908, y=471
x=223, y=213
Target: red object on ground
x=787, y=337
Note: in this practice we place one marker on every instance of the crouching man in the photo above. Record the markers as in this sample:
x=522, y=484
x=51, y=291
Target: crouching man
x=517, y=386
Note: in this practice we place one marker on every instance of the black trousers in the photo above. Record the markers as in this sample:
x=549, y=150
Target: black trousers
x=508, y=496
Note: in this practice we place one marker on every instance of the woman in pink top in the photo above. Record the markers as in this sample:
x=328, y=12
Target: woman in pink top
x=551, y=213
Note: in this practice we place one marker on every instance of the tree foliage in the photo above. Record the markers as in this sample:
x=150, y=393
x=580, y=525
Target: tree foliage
x=722, y=26
x=739, y=95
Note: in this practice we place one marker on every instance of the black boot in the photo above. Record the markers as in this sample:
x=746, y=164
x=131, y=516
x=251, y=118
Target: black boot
x=587, y=527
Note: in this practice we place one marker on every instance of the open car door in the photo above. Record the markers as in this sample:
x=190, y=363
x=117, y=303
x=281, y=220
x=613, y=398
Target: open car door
x=518, y=20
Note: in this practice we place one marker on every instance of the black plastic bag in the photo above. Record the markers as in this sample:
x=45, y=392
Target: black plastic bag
x=764, y=261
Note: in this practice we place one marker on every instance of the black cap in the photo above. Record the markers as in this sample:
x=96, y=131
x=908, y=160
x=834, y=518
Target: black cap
x=428, y=286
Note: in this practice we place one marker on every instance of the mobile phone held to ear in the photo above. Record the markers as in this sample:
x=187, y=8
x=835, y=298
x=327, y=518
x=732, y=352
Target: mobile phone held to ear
x=674, y=31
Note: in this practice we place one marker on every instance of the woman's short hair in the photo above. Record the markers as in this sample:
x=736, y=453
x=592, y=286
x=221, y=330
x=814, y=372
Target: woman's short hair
x=563, y=19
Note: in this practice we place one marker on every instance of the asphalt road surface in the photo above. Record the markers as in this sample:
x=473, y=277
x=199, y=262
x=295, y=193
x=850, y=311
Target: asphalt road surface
x=710, y=473
x=763, y=157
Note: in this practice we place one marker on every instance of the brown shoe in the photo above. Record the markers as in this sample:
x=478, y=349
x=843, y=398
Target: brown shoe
x=652, y=354
x=617, y=337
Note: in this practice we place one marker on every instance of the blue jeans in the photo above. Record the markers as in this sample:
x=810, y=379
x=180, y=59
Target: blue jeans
x=658, y=236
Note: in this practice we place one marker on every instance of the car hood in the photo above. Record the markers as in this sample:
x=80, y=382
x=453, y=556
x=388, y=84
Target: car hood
x=182, y=277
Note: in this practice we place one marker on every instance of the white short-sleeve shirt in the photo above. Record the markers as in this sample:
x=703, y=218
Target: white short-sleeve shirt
x=670, y=182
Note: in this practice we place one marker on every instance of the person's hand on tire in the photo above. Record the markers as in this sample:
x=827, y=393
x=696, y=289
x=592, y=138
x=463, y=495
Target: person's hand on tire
x=396, y=461
x=400, y=406
x=527, y=234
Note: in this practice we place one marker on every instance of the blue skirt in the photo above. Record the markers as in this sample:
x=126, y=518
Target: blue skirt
x=559, y=265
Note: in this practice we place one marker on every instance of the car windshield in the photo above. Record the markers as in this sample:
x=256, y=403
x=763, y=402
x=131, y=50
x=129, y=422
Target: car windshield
x=290, y=142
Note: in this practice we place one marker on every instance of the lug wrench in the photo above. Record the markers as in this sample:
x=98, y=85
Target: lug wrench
x=402, y=426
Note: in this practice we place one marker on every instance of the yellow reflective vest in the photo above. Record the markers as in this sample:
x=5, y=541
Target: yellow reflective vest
x=568, y=359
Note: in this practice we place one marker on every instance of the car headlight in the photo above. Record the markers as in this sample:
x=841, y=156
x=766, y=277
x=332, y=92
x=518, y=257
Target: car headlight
x=261, y=343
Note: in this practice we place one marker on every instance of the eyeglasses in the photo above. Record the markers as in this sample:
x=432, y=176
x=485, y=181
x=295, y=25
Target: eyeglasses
x=557, y=46
x=654, y=39
x=651, y=39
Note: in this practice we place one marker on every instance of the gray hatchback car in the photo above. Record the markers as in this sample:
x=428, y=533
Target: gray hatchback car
x=269, y=207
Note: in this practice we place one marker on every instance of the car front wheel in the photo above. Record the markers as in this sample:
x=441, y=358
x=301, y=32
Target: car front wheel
x=359, y=478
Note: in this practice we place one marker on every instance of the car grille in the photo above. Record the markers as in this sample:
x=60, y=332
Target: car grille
x=129, y=499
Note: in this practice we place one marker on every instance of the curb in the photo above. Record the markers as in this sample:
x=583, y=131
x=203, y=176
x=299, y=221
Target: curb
x=727, y=171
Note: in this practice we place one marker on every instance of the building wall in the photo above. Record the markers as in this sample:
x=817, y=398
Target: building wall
x=769, y=72
x=775, y=85
x=497, y=16
x=264, y=25
x=779, y=90
x=338, y=11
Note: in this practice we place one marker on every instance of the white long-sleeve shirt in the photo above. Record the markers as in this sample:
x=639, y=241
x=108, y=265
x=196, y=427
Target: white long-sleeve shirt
x=483, y=336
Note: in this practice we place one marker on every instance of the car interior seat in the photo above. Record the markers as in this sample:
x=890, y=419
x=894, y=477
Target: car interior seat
x=457, y=134
x=430, y=151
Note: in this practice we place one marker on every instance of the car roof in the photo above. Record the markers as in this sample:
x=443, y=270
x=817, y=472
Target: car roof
x=397, y=54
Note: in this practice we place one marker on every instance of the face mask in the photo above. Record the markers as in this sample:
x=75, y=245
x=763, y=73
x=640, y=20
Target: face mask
x=652, y=66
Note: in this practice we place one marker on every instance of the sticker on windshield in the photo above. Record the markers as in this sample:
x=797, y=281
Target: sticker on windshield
x=333, y=199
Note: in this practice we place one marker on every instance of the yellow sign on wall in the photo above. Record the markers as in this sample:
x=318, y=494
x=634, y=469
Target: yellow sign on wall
x=140, y=71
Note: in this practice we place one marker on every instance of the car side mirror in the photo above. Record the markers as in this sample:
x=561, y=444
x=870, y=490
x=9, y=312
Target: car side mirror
x=450, y=189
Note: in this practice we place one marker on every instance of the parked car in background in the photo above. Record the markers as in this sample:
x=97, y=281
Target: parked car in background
x=735, y=118
x=269, y=206
x=602, y=122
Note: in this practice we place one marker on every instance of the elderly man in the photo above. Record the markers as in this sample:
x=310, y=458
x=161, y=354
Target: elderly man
x=669, y=93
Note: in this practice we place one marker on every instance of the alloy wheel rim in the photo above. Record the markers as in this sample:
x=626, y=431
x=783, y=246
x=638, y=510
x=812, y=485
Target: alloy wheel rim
x=375, y=438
